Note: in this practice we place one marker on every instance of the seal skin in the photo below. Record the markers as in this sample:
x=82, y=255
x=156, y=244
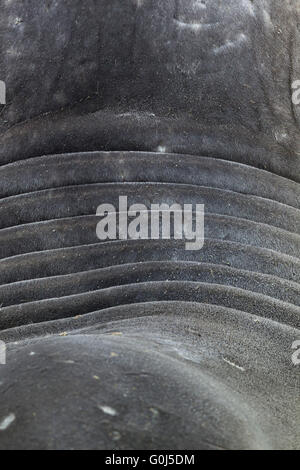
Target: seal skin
x=142, y=344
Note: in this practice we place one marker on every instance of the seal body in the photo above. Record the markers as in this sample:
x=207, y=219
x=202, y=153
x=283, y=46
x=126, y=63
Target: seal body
x=141, y=344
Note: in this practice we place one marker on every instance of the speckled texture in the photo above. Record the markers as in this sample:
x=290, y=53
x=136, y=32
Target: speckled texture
x=142, y=344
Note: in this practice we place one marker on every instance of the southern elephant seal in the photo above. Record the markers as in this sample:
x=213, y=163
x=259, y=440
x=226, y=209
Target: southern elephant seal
x=141, y=344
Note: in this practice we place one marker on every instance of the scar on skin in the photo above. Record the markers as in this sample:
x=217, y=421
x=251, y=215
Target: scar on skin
x=233, y=364
x=195, y=26
x=108, y=410
x=6, y=422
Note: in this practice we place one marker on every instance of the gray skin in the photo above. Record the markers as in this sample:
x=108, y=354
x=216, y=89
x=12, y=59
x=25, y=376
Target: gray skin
x=142, y=344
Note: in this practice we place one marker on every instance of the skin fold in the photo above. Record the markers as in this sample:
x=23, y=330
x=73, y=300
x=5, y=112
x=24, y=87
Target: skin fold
x=140, y=344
